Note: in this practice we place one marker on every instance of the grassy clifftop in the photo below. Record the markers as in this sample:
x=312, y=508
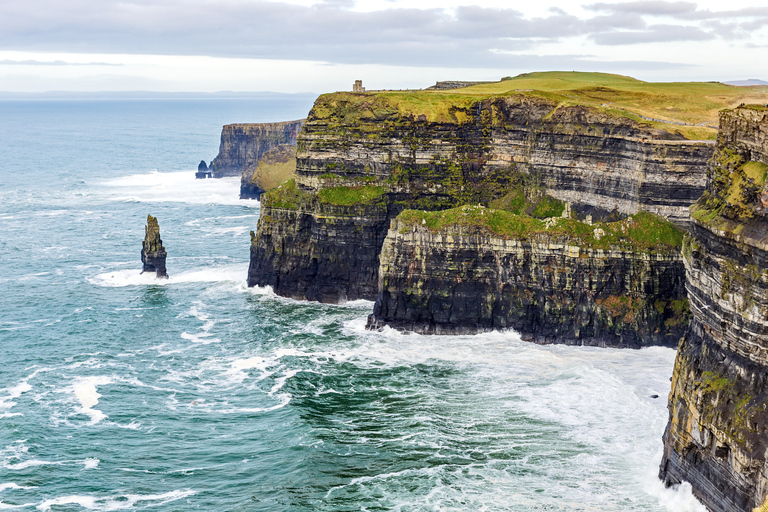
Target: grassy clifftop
x=659, y=105
x=640, y=232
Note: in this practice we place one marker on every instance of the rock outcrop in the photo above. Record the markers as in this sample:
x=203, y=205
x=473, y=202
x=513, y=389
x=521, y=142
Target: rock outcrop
x=717, y=436
x=242, y=145
x=473, y=269
x=276, y=166
x=364, y=158
x=202, y=170
x=152, y=251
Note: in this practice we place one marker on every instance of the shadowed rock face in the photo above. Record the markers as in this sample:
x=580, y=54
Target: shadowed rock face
x=242, y=145
x=465, y=280
x=152, y=251
x=596, y=161
x=717, y=436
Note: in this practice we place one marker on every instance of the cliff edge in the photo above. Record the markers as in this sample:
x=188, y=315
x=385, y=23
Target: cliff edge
x=363, y=158
x=556, y=280
x=717, y=436
x=242, y=145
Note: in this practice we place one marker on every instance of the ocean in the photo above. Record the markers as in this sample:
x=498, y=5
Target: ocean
x=119, y=391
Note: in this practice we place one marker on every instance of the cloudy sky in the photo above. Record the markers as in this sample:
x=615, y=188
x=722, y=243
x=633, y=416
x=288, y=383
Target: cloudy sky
x=316, y=46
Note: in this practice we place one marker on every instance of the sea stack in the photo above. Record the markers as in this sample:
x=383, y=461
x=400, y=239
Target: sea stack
x=152, y=251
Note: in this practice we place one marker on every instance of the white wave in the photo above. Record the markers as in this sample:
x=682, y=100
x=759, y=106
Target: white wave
x=31, y=464
x=11, y=485
x=134, y=277
x=678, y=498
x=85, y=392
x=234, y=231
x=175, y=187
x=91, y=463
x=203, y=338
x=209, y=220
x=15, y=391
x=116, y=502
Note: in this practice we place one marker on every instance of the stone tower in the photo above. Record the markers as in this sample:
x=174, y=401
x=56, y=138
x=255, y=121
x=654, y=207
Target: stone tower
x=358, y=86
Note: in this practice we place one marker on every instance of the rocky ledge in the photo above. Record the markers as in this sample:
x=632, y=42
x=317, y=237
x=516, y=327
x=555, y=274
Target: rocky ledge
x=717, y=436
x=473, y=269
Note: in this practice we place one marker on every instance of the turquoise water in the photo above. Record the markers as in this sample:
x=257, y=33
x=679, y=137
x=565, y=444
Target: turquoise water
x=121, y=392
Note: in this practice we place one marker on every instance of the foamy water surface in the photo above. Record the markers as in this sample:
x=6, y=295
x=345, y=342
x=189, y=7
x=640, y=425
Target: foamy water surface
x=123, y=392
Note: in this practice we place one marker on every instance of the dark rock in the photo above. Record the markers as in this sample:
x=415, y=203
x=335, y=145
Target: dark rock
x=717, y=435
x=597, y=162
x=242, y=145
x=465, y=280
x=152, y=251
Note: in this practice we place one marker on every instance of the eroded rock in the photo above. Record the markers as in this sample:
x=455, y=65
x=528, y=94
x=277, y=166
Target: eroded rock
x=152, y=251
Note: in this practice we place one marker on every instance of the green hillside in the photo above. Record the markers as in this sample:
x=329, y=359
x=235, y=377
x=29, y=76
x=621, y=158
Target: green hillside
x=693, y=103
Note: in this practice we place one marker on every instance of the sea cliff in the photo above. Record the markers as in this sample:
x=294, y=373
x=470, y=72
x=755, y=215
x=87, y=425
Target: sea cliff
x=717, y=436
x=472, y=269
x=364, y=158
x=242, y=145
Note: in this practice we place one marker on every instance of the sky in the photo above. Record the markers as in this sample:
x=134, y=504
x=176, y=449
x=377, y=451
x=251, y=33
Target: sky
x=317, y=46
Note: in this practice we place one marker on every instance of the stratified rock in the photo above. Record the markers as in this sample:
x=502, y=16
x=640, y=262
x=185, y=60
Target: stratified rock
x=152, y=251
x=242, y=145
x=327, y=247
x=717, y=436
x=275, y=167
x=552, y=281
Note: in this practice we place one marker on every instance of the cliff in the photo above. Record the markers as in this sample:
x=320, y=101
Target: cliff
x=276, y=166
x=472, y=269
x=437, y=150
x=717, y=436
x=152, y=251
x=242, y=145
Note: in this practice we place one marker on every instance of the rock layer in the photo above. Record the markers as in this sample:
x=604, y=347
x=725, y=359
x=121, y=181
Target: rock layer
x=242, y=145
x=717, y=436
x=460, y=152
x=152, y=251
x=551, y=288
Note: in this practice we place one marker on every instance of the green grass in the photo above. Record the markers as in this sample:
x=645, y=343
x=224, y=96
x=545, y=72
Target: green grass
x=288, y=195
x=686, y=102
x=756, y=171
x=642, y=231
x=348, y=196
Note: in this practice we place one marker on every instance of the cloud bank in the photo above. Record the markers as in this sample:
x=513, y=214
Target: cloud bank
x=467, y=36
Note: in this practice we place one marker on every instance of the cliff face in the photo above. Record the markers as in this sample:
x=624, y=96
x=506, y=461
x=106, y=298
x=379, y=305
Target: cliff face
x=459, y=151
x=242, y=145
x=275, y=167
x=717, y=436
x=551, y=286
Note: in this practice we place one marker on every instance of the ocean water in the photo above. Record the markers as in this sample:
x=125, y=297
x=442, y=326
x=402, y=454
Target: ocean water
x=122, y=392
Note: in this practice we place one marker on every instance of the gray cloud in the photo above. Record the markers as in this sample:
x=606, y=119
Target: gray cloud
x=470, y=36
x=654, y=34
x=8, y=62
x=657, y=8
